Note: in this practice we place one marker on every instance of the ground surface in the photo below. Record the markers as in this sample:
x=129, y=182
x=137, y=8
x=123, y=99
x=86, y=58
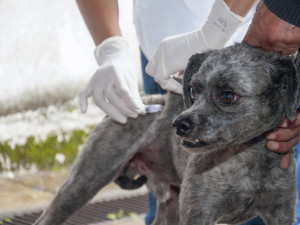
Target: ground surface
x=30, y=192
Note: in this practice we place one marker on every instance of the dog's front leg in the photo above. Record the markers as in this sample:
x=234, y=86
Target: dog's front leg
x=109, y=147
x=199, y=199
x=196, y=209
x=196, y=218
x=167, y=212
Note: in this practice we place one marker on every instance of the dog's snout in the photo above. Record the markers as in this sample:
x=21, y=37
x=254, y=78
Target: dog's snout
x=182, y=125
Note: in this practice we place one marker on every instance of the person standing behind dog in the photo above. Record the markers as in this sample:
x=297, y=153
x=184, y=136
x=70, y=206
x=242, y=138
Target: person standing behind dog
x=114, y=85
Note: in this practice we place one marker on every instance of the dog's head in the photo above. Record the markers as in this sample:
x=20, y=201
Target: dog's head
x=234, y=95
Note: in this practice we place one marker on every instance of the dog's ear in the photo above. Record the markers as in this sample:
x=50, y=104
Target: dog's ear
x=287, y=73
x=191, y=69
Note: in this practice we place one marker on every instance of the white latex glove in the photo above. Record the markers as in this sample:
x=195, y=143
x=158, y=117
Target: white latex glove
x=114, y=86
x=173, y=52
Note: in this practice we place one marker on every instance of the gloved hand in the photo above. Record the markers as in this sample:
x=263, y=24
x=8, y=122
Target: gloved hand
x=173, y=53
x=114, y=85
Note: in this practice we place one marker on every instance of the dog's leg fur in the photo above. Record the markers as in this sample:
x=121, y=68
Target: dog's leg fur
x=98, y=163
x=167, y=212
x=106, y=154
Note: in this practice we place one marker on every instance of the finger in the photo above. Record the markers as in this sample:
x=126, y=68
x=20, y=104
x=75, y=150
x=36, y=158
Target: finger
x=279, y=46
x=251, y=37
x=83, y=96
x=117, y=102
x=141, y=106
x=138, y=105
x=285, y=161
x=294, y=35
x=290, y=51
x=180, y=73
x=283, y=134
x=170, y=85
x=251, y=40
x=286, y=123
x=126, y=93
x=282, y=147
x=107, y=108
x=150, y=68
x=111, y=112
x=177, y=87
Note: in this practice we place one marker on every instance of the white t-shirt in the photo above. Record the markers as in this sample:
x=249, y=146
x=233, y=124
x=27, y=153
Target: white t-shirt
x=158, y=19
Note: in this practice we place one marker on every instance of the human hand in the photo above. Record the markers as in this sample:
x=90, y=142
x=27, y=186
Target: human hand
x=173, y=52
x=284, y=138
x=271, y=33
x=114, y=85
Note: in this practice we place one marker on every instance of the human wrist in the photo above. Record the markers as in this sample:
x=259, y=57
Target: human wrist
x=223, y=8
x=239, y=7
x=110, y=46
x=219, y=27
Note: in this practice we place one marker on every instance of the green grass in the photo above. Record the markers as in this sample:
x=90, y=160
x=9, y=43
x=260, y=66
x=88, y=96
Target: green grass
x=120, y=215
x=41, y=153
x=7, y=219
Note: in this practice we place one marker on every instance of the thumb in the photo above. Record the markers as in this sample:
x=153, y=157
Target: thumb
x=176, y=86
x=284, y=162
x=150, y=68
x=170, y=85
x=83, y=96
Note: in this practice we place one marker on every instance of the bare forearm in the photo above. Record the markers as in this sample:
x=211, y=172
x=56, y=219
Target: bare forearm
x=240, y=7
x=101, y=18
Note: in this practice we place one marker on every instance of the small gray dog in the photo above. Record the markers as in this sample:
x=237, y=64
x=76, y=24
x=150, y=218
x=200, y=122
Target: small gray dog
x=233, y=96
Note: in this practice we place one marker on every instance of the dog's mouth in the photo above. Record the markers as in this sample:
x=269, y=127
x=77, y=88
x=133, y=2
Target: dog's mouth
x=197, y=143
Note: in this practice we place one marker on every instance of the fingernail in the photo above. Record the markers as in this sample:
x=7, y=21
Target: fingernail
x=141, y=109
x=284, y=124
x=272, y=145
x=122, y=121
x=271, y=136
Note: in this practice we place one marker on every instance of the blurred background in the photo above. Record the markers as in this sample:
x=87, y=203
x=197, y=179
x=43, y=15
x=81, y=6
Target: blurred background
x=46, y=58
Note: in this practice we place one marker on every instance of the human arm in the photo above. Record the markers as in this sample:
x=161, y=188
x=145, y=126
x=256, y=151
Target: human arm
x=240, y=8
x=271, y=33
x=101, y=18
x=173, y=53
x=114, y=85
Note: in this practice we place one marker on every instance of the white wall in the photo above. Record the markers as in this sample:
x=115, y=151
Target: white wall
x=44, y=43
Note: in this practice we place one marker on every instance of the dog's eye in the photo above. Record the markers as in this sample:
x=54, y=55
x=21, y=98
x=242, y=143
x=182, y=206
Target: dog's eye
x=193, y=92
x=228, y=97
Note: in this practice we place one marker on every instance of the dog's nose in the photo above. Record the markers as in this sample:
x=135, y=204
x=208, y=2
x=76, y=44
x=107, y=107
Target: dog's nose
x=182, y=125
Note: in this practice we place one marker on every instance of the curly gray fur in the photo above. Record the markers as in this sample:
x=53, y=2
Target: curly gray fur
x=230, y=176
